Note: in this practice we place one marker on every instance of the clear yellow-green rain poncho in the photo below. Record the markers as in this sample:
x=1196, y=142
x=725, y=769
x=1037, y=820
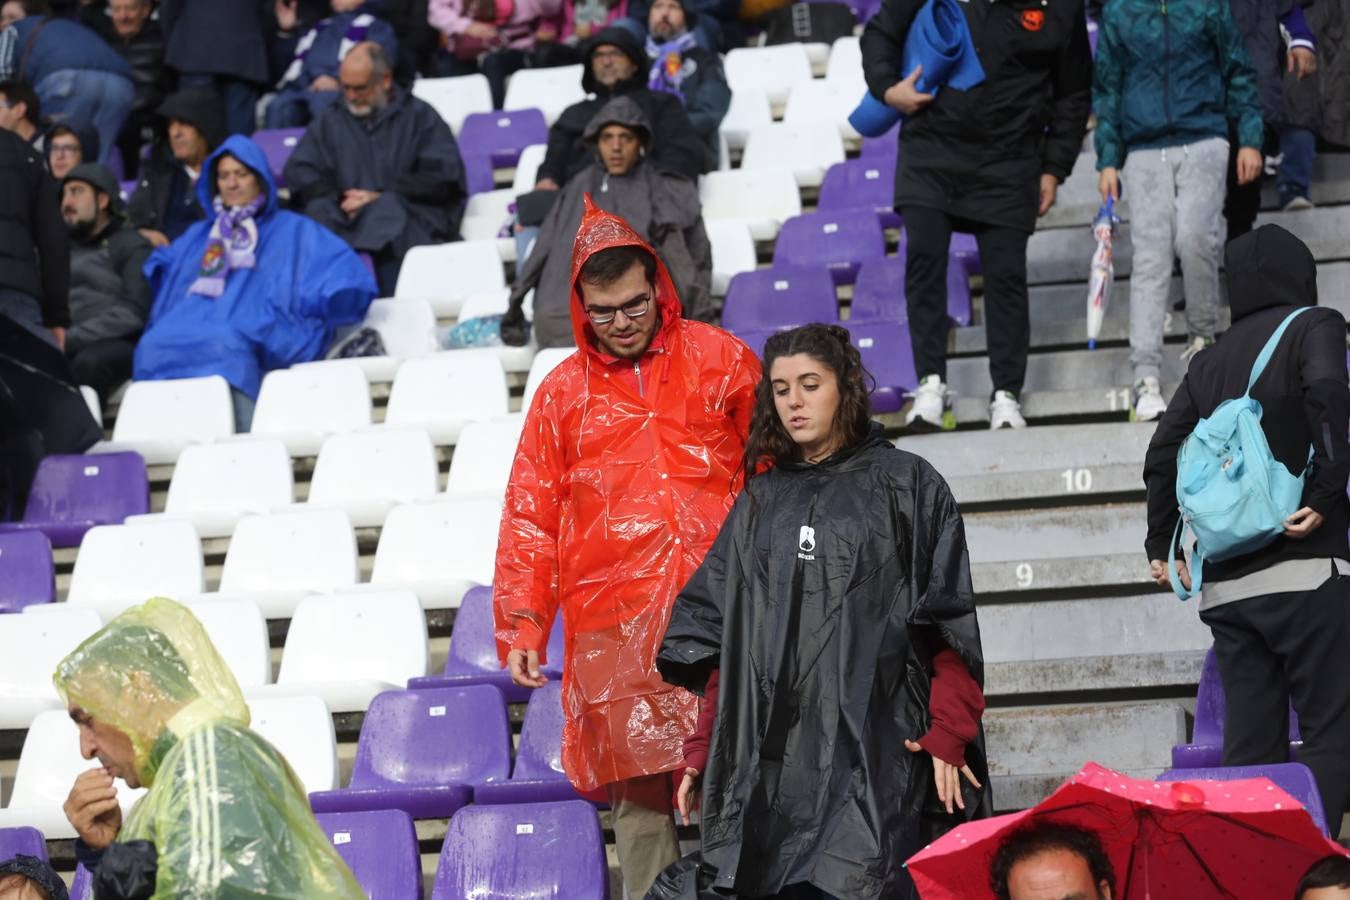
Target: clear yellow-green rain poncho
x=225, y=812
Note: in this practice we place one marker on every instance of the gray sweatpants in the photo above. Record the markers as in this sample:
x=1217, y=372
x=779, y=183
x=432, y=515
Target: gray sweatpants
x=1176, y=208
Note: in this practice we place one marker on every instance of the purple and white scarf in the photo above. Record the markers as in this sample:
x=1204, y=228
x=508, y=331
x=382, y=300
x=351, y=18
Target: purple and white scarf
x=669, y=67
x=355, y=34
x=230, y=246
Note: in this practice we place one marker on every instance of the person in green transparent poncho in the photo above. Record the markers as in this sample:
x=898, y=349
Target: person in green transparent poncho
x=224, y=816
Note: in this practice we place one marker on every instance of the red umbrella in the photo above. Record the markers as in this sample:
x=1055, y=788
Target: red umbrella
x=1184, y=840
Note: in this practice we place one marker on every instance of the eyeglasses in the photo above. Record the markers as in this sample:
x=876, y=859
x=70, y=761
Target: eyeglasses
x=65, y=148
x=633, y=309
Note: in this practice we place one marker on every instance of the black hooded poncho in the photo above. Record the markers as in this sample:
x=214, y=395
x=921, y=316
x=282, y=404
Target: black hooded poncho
x=823, y=601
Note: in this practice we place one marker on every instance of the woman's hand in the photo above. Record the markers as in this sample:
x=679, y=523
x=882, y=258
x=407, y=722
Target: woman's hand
x=687, y=797
x=1302, y=523
x=947, y=777
x=904, y=96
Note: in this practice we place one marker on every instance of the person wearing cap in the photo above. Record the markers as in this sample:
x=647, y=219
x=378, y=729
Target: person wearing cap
x=165, y=201
x=109, y=296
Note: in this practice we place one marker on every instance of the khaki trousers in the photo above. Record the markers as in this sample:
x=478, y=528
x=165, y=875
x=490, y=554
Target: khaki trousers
x=644, y=830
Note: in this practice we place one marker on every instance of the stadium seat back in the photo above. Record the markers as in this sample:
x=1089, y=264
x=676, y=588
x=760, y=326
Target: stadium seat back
x=239, y=631
x=451, y=539
x=846, y=62
x=1295, y=779
x=296, y=549
x=774, y=70
x=119, y=566
x=407, y=327
x=822, y=100
x=367, y=472
x=444, y=392
x=159, y=418
x=380, y=847
x=804, y=147
x=444, y=274
x=733, y=251
x=301, y=729
x=503, y=134
x=838, y=240
x=779, y=298
x=763, y=198
x=304, y=404
x=539, y=754
x=27, y=574
x=72, y=493
x=455, y=98
x=550, y=90
x=527, y=169
x=861, y=184
x=35, y=642
x=214, y=485
x=888, y=356
x=22, y=839
x=277, y=145
x=457, y=735
x=544, y=362
x=485, y=215
x=749, y=109
x=481, y=464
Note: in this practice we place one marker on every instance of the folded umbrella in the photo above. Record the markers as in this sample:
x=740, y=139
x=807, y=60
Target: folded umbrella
x=1246, y=840
x=938, y=40
x=1103, y=270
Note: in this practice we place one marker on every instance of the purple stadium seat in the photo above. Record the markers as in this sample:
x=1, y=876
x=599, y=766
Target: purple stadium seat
x=25, y=840
x=840, y=240
x=72, y=494
x=889, y=356
x=865, y=182
x=779, y=298
x=380, y=847
x=478, y=176
x=115, y=163
x=127, y=188
x=879, y=293
x=501, y=135
x=524, y=850
x=423, y=751
x=26, y=572
x=473, y=651
x=538, y=774
x=1206, y=747
x=886, y=145
x=966, y=250
x=277, y=145
x=1295, y=779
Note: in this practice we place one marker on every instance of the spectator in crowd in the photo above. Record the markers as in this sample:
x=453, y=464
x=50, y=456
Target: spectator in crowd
x=109, y=296
x=252, y=288
x=1164, y=91
x=34, y=248
x=417, y=40
x=21, y=111
x=494, y=37
x=79, y=78
x=1328, y=879
x=66, y=148
x=130, y=29
x=690, y=71
x=703, y=18
x=165, y=201
x=1280, y=614
x=785, y=811
x=646, y=424
x=310, y=84
x=1301, y=113
x=989, y=161
x=381, y=169
x=617, y=66
x=223, y=814
x=29, y=878
x=1045, y=861
x=661, y=207
x=219, y=45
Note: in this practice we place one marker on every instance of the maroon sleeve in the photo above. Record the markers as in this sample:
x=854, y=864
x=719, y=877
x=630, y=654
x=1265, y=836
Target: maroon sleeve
x=696, y=745
x=954, y=709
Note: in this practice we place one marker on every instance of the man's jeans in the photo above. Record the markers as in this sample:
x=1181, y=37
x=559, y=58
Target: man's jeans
x=100, y=100
x=1297, y=147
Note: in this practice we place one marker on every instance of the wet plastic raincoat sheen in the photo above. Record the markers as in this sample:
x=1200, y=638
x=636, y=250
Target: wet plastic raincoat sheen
x=227, y=816
x=823, y=602
x=615, y=495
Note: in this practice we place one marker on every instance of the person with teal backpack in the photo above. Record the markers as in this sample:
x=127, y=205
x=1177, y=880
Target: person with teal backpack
x=1252, y=458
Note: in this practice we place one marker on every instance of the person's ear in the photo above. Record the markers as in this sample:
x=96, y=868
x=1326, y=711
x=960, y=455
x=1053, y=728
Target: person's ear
x=1104, y=890
x=104, y=202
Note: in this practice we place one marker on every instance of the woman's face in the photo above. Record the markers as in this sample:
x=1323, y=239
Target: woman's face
x=236, y=182
x=806, y=395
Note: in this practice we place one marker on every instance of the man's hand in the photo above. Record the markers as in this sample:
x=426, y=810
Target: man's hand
x=156, y=238
x=59, y=334
x=1249, y=165
x=285, y=11
x=947, y=777
x=1302, y=523
x=324, y=83
x=904, y=96
x=524, y=668
x=546, y=184
x=1108, y=184
x=92, y=808
x=353, y=200
x=1049, y=190
x=1158, y=569
x=686, y=799
x=484, y=31
x=1301, y=61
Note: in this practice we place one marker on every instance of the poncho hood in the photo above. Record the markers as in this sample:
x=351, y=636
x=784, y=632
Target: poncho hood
x=1269, y=267
x=619, y=111
x=248, y=153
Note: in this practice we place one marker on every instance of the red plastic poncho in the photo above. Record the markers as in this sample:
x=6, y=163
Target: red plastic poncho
x=615, y=496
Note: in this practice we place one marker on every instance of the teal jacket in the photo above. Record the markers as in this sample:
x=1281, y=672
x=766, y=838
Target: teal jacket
x=1171, y=72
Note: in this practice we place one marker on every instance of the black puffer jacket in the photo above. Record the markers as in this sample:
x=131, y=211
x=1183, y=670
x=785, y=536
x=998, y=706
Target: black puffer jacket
x=34, y=246
x=1303, y=394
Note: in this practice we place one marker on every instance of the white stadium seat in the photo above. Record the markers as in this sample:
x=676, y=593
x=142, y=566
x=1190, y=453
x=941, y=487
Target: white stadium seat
x=301, y=729
x=776, y=70
x=804, y=147
x=545, y=361
x=749, y=109
x=455, y=98
x=438, y=550
x=215, y=485
x=444, y=392
x=484, y=216
x=33, y=645
x=762, y=198
x=481, y=464
x=443, y=274
x=239, y=632
x=303, y=405
x=549, y=90
x=824, y=101
x=527, y=169
x=406, y=327
x=91, y=400
x=158, y=419
x=120, y=566
x=495, y=303
x=733, y=251
x=367, y=472
x=846, y=62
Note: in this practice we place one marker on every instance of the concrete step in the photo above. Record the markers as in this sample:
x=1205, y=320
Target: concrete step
x=1065, y=370
x=1176, y=674
x=1077, y=548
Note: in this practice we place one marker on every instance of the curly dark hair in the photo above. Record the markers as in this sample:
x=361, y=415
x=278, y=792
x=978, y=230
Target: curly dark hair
x=1038, y=837
x=829, y=345
x=1329, y=871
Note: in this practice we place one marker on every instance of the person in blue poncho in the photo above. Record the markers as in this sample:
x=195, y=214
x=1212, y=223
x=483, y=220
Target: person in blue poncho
x=249, y=289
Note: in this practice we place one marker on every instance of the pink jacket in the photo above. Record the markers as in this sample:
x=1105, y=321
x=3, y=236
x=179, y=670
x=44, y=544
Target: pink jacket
x=447, y=17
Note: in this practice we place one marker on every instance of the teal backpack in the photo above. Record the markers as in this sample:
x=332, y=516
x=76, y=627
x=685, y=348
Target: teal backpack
x=1233, y=494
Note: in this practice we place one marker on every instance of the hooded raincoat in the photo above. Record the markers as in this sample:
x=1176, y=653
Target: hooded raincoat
x=304, y=284
x=624, y=473
x=225, y=813
x=824, y=600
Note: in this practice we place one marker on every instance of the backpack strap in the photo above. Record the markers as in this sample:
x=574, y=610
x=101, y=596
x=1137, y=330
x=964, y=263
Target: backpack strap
x=1269, y=349
x=1197, y=568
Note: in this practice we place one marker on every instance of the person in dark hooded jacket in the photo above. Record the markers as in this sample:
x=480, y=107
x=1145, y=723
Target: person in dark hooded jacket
x=165, y=203
x=662, y=208
x=836, y=606
x=1281, y=614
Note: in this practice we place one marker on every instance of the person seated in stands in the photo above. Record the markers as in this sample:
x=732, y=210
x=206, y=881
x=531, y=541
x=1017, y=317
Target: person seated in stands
x=1045, y=861
x=129, y=28
x=21, y=112
x=1328, y=879
x=683, y=67
x=251, y=289
x=109, y=296
x=663, y=208
x=223, y=814
x=493, y=37
x=381, y=169
x=29, y=878
x=700, y=18
x=310, y=83
x=165, y=201
x=67, y=147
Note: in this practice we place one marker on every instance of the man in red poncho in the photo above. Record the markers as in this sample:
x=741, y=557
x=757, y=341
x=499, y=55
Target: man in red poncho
x=629, y=461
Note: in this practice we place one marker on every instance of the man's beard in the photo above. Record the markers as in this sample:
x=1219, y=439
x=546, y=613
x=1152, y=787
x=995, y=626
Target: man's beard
x=668, y=35
x=80, y=229
x=364, y=110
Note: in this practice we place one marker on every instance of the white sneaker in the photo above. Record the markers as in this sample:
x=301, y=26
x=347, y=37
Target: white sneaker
x=1148, y=400
x=931, y=401
x=1196, y=344
x=1005, y=412
x=1296, y=203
